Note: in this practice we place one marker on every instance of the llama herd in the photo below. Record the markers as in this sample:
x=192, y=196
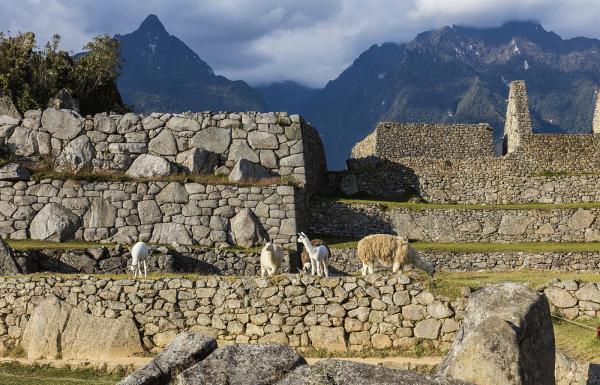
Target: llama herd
x=388, y=250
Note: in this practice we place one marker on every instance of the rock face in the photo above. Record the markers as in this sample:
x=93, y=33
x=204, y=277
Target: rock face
x=76, y=155
x=506, y=339
x=246, y=230
x=245, y=170
x=243, y=365
x=63, y=124
x=8, y=263
x=348, y=185
x=198, y=160
x=57, y=329
x=8, y=110
x=149, y=166
x=54, y=223
x=14, y=172
x=184, y=351
x=338, y=372
x=63, y=100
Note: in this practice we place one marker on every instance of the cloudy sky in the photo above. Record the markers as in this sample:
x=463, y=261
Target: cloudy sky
x=308, y=41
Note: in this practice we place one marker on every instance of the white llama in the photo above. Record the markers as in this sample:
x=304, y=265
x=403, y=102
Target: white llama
x=139, y=255
x=319, y=256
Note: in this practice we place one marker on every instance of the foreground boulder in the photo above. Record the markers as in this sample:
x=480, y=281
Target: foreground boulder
x=8, y=262
x=506, y=339
x=243, y=365
x=54, y=223
x=14, y=172
x=149, y=166
x=246, y=229
x=247, y=171
x=59, y=330
x=338, y=372
x=184, y=351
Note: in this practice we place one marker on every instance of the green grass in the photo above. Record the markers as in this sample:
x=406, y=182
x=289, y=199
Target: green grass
x=391, y=204
x=31, y=244
x=449, y=284
x=12, y=373
x=578, y=342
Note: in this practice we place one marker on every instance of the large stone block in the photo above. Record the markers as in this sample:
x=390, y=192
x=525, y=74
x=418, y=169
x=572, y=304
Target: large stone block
x=243, y=365
x=185, y=350
x=246, y=229
x=149, y=166
x=171, y=232
x=76, y=155
x=163, y=144
x=59, y=330
x=62, y=124
x=54, y=222
x=246, y=171
x=330, y=339
x=506, y=339
x=100, y=214
x=212, y=139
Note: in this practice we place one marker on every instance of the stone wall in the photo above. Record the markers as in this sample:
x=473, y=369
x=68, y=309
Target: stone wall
x=395, y=141
x=346, y=261
x=159, y=212
x=202, y=260
x=457, y=224
x=284, y=145
x=572, y=299
x=456, y=163
x=336, y=314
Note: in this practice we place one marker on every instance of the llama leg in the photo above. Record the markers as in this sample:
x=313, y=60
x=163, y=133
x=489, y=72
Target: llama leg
x=263, y=271
x=320, y=268
x=365, y=269
x=145, y=270
x=326, y=268
x=313, y=267
x=395, y=267
x=371, y=267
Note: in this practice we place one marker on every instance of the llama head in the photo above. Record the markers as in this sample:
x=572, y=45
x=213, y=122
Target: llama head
x=302, y=237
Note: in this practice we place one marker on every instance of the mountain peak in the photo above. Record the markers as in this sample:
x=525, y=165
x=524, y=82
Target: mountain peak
x=152, y=24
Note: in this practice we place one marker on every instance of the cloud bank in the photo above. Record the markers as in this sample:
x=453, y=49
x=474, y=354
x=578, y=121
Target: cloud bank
x=307, y=41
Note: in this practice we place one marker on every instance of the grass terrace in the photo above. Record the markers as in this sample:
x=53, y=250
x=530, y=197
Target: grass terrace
x=14, y=373
x=392, y=204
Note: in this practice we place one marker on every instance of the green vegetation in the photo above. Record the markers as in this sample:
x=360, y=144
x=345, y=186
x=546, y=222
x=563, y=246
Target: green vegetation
x=46, y=170
x=31, y=244
x=13, y=373
x=548, y=173
x=31, y=76
x=391, y=204
x=576, y=341
x=449, y=284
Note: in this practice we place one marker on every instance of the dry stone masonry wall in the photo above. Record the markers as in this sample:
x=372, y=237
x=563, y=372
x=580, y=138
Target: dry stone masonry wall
x=335, y=314
x=163, y=143
x=159, y=212
x=456, y=163
x=456, y=225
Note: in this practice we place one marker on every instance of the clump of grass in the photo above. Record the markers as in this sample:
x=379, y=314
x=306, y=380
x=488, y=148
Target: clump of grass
x=13, y=373
x=419, y=349
x=16, y=351
x=577, y=342
x=46, y=170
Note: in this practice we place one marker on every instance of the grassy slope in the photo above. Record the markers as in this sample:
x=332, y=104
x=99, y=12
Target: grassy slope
x=578, y=342
x=11, y=374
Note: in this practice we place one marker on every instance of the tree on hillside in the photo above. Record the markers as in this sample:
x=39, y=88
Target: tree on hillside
x=32, y=76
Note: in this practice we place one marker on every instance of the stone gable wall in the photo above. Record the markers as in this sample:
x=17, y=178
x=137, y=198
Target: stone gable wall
x=456, y=225
x=345, y=313
x=284, y=144
x=456, y=163
x=433, y=141
x=159, y=212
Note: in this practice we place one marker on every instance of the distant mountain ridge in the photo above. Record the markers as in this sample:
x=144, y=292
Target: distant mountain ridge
x=460, y=74
x=161, y=73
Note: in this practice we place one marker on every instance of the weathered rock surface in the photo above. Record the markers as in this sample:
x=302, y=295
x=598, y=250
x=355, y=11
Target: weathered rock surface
x=8, y=263
x=184, y=351
x=63, y=124
x=101, y=213
x=57, y=329
x=328, y=338
x=246, y=229
x=76, y=155
x=338, y=372
x=54, y=223
x=245, y=170
x=8, y=110
x=171, y=232
x=149, y=166
x=163, y=144
x=14, y=172
x=348, y=185
x=63, y=100
x=506, y=338
x=198, y=160
x=243, y=365
x=212, y=139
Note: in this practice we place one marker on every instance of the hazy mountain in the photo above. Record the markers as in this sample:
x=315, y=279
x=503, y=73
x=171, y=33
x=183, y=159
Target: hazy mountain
x=459, y=74
x=161, y=73
x=286, y=96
